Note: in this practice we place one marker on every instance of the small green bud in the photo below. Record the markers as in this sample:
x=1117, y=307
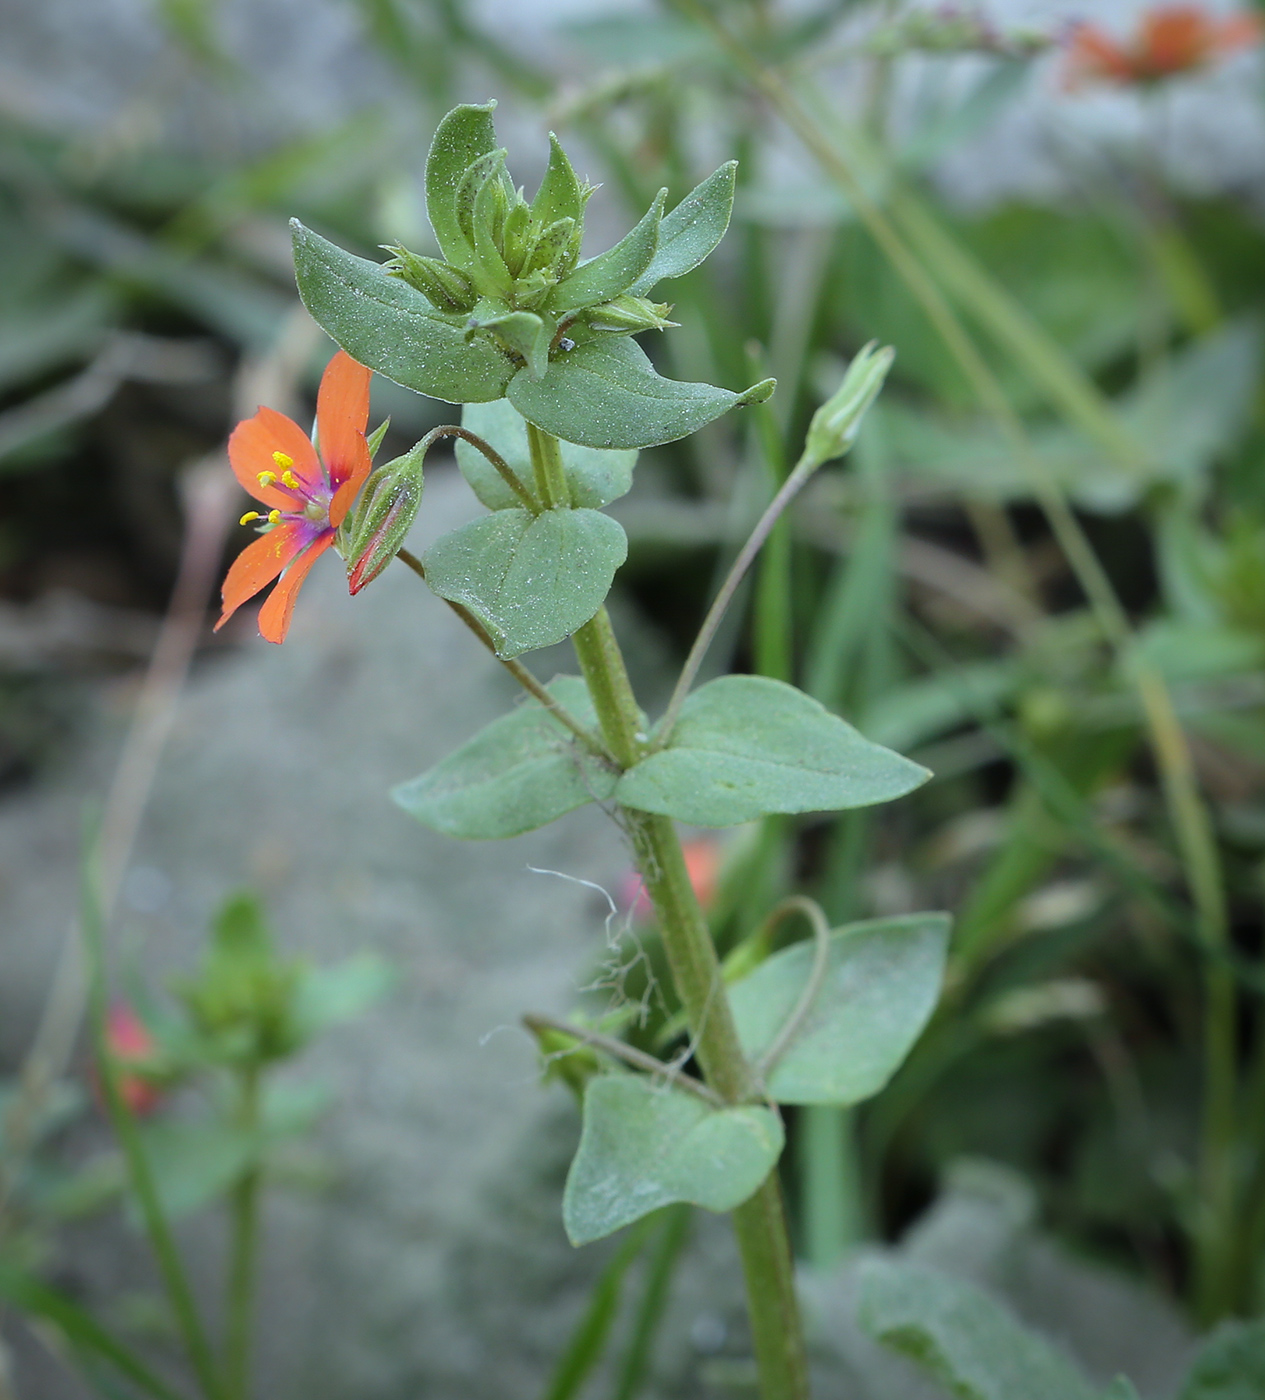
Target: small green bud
x=388, y=506
x=447, y=289
x=629, y=314
x=469, y=186
x=516, y=236
x=836, y=423
x=552, y=252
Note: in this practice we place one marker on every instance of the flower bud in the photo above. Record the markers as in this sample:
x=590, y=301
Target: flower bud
x=629, y=314
x=384, y=517
x=447, y=289
x=836, y=423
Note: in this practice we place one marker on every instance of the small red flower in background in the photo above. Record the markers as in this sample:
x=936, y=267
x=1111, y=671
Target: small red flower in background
x=703, y=860
x=132, y=1047
x=1170, y=39
x=307, y=495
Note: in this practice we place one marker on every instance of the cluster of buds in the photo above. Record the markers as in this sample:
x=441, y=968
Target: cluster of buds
x=953, y=29
x=511, y=268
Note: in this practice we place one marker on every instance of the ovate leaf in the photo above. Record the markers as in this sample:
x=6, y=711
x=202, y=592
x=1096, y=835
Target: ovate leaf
x=645, y=1145
x=746, y=746
x=595, y=477
x=973, y=1345
x=464, y=135
x=531, y=580
x=521, y=772
x=613, y=271
x=391, y=327
x=881, y=985
x=690, y=232
x=1230, y=1365
x=606, y=393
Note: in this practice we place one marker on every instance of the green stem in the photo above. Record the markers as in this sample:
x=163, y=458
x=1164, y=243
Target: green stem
x=244, y=1206
x=162, y=1242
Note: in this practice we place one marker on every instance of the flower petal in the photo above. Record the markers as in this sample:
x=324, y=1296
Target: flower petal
x=259, y=563
x=278, y=608
x=251, y=448
x=342, y=414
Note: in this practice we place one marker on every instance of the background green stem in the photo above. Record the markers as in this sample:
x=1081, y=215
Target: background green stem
x=244, y=1208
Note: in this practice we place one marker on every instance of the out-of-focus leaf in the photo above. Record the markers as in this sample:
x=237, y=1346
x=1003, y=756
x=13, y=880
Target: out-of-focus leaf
x=965, y=1339
x=1230, y=1365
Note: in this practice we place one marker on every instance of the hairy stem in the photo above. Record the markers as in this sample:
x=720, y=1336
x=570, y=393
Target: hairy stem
x=760, y=1223
x=244, y=1208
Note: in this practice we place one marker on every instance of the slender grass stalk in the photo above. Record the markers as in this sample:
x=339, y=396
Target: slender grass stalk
x=674, y=1234
x=589, y=1339
x=1080, y=401
x=243, y=1252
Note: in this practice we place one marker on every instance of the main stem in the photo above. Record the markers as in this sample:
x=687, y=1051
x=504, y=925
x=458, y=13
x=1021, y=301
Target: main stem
x=760, y=1223
x=244, y=1208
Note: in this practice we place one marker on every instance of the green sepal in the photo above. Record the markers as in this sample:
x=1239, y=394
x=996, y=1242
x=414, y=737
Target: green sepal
x=595, y=478
x=390, y=326
x=606, y=394
x=552, y=256
x=881, y=984
x=689, y=233
x=561, y=195
x=615, y=270
x=464, y=135
x=521, y=772
x=447, y=288
x=531, y=580
x=645, y=1145
x=747, y=746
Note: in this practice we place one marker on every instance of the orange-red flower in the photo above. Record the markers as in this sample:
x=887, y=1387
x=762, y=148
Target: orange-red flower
x=1170, y=39
x=308, y=494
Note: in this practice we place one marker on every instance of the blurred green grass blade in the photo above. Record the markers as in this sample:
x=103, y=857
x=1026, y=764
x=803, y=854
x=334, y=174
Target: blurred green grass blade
x=664, y=1258
x=84, y=1333
x=588, y=1342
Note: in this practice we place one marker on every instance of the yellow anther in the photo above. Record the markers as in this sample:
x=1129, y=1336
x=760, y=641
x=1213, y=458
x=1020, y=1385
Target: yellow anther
x=274, y=517
x=284, y=462
x=266, y=478
x=289, y=479
x=249, y=516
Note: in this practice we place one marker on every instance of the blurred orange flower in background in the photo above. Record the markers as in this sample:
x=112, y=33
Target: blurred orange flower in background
x=1169, y=39
x=133, y=1049
x=704, y=857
